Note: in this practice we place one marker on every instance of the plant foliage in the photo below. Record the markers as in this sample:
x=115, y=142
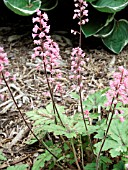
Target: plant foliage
x=104, y=25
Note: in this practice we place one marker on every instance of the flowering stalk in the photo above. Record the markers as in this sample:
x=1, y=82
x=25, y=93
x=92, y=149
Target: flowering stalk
x=81, y=13
x=117, y=93
x=77, y=57
x=48, y=51
x=4, y=74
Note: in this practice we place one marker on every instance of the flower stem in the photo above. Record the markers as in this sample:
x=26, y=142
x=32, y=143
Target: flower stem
x=41, y=142
x=82, y=111
x=74, y=152
x=98, y=156
x=51, y=94
x=113, y=111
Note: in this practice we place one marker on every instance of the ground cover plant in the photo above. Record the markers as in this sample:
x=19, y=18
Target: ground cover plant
x=95, y=137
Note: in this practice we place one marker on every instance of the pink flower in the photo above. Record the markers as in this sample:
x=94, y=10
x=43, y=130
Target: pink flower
x=118, y=89
x=37, y=19
x=45, y=16
x=86, y=112
x=3, y=68
x=46, y=49
x=6, y=74
x=38, y=12
x=1, y=49
x=122, y=119
x=2, y=97
x=36, y=28
x=80, y=11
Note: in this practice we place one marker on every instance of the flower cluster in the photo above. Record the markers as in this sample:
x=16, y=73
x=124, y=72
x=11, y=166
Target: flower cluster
x=77, y=64
x=86, y=112
x=46, y=48
x=118, y=89
x=80, y=12
x=3, y=59
x=3, y=68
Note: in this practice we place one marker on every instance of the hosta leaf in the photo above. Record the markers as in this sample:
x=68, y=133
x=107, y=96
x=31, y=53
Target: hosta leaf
x=106, y=31
x=94, y=25
x=118, y=39
x=23, y=7
x=90, y=0
x=110, y=6
x=48, y=4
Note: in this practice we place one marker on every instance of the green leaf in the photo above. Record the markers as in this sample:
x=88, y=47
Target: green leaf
x=48, y=4
x=119, y=166
x=23, y=7
x=18, y=167
x=90, y=166
x=118, y=39
x=105, y=159
x=74, y=95
x=94, y=25
x=109, y=6
x=90, y=0
x=2, y=157
x=59, y=130
x=100, y=134
x=94, y=100
x=117, y=139
x=41, y=159
x=106, y=31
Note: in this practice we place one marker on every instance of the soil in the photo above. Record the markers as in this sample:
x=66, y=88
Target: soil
x=29, y=87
